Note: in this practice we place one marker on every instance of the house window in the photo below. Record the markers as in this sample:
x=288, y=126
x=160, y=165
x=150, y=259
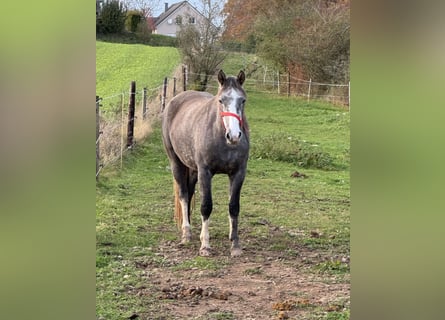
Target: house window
x=192, y=20
x=170, y=21
x=178, y=20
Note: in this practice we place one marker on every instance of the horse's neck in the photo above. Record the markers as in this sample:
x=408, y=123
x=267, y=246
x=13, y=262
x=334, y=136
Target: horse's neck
x=245, y=127
x=215, y=113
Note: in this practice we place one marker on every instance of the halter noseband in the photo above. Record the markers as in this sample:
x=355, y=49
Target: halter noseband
x=231, y=114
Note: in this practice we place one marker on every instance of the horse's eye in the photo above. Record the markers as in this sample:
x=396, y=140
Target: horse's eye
x=220, y=101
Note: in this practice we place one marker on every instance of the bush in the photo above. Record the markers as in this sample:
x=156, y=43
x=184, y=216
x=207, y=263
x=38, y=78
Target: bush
x=249, y=45
x=281, y=147
x=111, y=18
x=159, y=40
x=134, y=18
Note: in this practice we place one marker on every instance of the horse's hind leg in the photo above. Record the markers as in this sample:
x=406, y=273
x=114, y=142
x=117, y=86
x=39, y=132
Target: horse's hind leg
x=192, y=179
x=180, y=174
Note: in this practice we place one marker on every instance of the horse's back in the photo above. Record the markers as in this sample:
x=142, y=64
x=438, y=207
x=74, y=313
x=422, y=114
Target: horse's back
x=184, y=101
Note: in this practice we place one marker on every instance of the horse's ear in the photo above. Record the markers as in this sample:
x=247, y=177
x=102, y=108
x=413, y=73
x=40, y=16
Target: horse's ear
x=241, y=77
x=221, y=77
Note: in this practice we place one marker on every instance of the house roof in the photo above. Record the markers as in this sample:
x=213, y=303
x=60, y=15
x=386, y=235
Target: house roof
x=171, y=10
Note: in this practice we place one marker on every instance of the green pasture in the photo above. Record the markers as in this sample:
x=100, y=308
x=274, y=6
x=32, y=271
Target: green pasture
x=119, y=64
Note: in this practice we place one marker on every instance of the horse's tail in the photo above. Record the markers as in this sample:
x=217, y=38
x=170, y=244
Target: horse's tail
x=178, y=207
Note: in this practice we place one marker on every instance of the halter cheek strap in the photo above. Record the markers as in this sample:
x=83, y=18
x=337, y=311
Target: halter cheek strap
x=231, y=114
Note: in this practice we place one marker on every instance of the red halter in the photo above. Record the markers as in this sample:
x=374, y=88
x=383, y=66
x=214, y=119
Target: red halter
x=230, y=114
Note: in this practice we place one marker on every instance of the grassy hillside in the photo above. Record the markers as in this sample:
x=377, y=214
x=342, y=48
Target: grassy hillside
x=299, y=225
x=118, y=64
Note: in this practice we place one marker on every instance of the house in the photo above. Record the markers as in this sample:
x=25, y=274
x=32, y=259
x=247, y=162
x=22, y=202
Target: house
x=176, y=15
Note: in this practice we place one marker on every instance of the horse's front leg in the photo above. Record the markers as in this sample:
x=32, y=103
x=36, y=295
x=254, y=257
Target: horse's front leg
x=236, y=182
x=205, y=183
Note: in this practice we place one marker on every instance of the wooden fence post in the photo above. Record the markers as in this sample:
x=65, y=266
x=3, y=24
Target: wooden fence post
x=349, y=95
x=174, y=86
x=288, y=83
x=122, y=95
x=278, y=82
x=97, y=136
x=131, y=109
x=309, y=90
x=164, y=94
x=184, y=79
x=264, y=76
x=144, y=103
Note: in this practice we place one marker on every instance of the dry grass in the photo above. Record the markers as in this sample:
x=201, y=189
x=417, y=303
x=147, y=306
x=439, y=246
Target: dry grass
x=114, y=125
x=111, y=142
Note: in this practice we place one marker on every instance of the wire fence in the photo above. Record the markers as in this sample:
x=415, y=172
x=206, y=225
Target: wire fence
x=125, y=118
x=274, y=82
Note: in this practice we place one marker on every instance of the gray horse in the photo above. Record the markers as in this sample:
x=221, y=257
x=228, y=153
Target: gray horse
x=205, y=135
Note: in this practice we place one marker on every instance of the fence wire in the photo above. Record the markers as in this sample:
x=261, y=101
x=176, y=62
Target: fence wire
x=273, y=82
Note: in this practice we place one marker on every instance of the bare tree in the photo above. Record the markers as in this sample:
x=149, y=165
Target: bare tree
x=146, y=7
x=200, y=43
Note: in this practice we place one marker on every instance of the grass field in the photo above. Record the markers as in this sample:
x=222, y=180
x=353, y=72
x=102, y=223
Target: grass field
x=294, y=231
x=118, y=64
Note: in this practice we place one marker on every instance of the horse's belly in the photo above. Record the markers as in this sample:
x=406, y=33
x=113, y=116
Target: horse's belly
x=188, y=160
x=185, y=153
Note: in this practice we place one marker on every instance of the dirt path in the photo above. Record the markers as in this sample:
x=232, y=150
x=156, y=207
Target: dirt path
x=258, y=285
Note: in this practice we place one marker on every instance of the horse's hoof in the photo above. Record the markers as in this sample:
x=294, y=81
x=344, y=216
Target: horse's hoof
x=186, y=236
x=236, y=252
x=205, y=252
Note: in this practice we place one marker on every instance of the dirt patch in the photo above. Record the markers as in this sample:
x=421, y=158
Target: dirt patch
x=258, y=285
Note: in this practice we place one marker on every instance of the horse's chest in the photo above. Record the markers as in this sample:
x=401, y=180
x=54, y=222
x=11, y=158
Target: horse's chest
x=226, y=159
x=215, y=154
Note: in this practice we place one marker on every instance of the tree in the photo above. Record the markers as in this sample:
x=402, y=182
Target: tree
x=239, y=19
x=305, y=37
x=134, y=18
x=200, y=44
x=146, y=7
x=112, y=17
x=312, y=35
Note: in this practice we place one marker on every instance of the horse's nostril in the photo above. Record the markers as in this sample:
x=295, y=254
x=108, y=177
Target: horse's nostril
x=239, y=135
x=228, y=136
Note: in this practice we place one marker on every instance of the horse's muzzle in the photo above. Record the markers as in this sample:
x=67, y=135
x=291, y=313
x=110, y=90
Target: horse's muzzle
x=233, y=139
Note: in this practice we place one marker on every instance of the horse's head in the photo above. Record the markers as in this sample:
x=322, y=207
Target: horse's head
x=231, y=99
